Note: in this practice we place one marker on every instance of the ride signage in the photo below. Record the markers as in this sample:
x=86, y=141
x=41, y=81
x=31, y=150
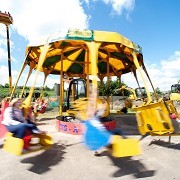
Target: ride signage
x=78, y=34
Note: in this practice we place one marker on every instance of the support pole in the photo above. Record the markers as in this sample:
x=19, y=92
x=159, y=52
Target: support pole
x=61, y=86
x=9, y=59
x=142, y=77
x=7, y=19
x=93, y=58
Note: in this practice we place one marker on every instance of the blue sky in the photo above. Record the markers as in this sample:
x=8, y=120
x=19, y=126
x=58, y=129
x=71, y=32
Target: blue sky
x=153, y=24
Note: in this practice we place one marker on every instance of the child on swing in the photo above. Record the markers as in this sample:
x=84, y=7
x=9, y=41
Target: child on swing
x=15, y=121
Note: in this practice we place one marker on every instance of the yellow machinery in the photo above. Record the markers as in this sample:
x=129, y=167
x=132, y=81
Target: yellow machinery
x=175, y=92
x=135, y=94
x=77, y=101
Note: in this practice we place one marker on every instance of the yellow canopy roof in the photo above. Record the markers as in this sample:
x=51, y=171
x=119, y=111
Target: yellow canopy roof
x=114, y=53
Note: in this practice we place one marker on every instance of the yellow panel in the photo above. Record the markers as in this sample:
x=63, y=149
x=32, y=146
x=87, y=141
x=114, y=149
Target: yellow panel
x=75, y=55
x=53, y=52
x=125, y=147
x=13, y=145
x=45, y=140
x=175, y=96
x=154, y=118
x=103, y=36
x=116, y=63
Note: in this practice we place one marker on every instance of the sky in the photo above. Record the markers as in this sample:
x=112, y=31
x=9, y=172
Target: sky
x=153, y=24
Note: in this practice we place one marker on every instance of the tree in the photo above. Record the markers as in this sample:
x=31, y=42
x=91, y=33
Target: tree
x=158, y=91
x=105, y=90
x=6, y=85
x=46, y=88
x=1, y=86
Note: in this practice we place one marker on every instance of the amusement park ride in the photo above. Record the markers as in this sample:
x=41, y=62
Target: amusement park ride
x=81, y=53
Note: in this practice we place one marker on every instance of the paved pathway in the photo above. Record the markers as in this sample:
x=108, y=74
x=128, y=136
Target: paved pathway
x=69, y=159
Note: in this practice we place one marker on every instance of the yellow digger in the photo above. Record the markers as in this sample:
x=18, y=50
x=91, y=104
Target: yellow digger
x=175, y=92
x=135, y=94
x=77, y=101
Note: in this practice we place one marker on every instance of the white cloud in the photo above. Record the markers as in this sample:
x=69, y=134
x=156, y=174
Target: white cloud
x=120, y=5
x=51, y=80
x=171, y=66
x=38, y=18
x=3, y=55
x=177, y=54
x=34, y=18
x=4, y=75
x=3, y=36
x=162, y=76
x=3, y=31
x=3, y=42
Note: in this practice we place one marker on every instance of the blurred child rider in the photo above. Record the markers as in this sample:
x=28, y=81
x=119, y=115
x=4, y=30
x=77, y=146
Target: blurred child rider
x=15, y=121
x=95, y=121
x=115, y=131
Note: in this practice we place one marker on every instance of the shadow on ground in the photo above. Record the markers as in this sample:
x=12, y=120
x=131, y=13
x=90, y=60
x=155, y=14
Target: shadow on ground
x=45, y=119
x=165, y=144
x=50, y=157
x=127, y=123
x=128, y=166
x=44, y=161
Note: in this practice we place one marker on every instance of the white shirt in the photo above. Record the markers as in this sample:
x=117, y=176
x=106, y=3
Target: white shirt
x=8, y=117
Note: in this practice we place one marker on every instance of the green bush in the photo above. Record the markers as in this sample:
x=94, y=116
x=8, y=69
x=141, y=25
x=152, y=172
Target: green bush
x=5, y=92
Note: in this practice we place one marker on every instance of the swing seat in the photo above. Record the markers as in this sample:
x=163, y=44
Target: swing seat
x=125, y=147
x=154, y=118
x=43, y=110
x=45, y=140
x=12, y=144
x=15, y=145
x=3, y=128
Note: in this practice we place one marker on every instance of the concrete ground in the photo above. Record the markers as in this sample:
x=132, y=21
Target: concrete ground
x=69, y=159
